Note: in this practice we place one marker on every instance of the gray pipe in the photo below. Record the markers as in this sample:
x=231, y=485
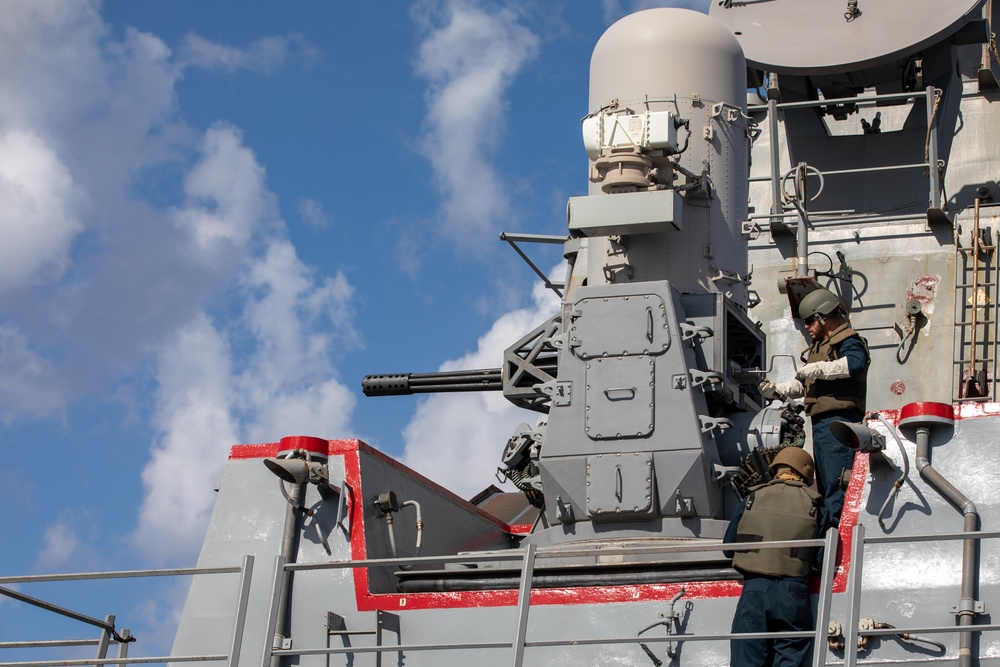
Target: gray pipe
x=289, y=550
x=966, y=610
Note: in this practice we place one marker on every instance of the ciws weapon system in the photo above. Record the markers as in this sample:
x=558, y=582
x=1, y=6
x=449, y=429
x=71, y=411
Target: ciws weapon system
x=737, y=161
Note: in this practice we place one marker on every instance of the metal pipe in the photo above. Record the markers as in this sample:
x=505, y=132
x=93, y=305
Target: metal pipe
x=289, y=550
x=966, y=607
x=772, y=130
x=107, y=626
x=932, y=150
x=802, y=231
x=436, y=583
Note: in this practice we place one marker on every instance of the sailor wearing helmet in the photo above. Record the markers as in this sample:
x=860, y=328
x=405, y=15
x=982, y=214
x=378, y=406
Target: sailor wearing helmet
x=833, y=384
x=775, y=596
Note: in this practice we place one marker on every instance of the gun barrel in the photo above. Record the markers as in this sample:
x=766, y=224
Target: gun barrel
x=404, y=384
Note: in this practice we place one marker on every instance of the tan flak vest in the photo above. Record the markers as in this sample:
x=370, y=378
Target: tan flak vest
x=777, y=511
x=826, y=395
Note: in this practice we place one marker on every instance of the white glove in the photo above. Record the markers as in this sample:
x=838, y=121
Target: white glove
x=790, y=389
x=825, y=370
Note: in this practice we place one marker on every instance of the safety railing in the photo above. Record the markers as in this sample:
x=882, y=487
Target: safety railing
x=518, y=643
x=109, y=636
x=932, y=165
x=528, y=557
x=854, y=591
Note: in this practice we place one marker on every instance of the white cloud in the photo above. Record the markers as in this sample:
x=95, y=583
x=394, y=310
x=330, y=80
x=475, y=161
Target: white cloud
x=470, y=63
x=264, y=55
x=312, y=213
x=197, y=426
x=227, y=199
x=298, y=325
x=61, y=545
x=292, y=323
x=28, y=383
x=457, y=439
x=37, y=219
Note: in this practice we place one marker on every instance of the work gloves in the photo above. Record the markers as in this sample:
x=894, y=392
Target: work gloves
x=791, y=389
x=825, y=370
x=819, y=370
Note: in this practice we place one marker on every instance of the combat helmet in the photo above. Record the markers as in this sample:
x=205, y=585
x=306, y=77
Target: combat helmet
x=797, y=459
x=821, y=301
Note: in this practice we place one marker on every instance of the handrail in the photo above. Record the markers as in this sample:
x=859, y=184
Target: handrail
x=528, y=556
x=931, y=164
x=519, y=642
x=245, y=569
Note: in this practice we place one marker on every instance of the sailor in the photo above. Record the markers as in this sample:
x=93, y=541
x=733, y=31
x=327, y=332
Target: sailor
x=833, y=383
x=775, y=596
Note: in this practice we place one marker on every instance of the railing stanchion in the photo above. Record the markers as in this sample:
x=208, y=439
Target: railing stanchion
x=241, y=611
x=523, y=602
x=854, y=596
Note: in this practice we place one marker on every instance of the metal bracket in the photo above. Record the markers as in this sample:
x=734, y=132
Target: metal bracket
x=693, y=332
x=561, y=391
x=563, y=511
x=699, y=378
x=751, y=229
x=709, y=424
x=968, y=607
x=611, y=271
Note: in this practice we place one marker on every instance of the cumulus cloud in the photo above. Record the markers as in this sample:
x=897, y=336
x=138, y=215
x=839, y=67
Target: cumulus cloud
x=470, y=62
x=457, y=439
x=37, y=221
x=197, y=427
x=263, y=55
x=291, y=325
x=225, y=192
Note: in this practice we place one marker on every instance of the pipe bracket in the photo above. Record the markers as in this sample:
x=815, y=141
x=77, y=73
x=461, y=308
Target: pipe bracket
x=968, y=607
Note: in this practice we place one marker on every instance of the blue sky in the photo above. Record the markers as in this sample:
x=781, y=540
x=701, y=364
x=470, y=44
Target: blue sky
x=218, y=217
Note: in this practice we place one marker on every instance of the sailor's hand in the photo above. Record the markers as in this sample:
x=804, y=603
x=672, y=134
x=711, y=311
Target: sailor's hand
x=791, y=389
x=825, y=370
x=767, y=389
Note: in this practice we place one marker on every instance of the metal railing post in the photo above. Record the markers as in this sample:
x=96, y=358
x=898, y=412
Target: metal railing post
x=123, y=646
x=825, y=596
x=272, y=613
x=523, y=602
x=854, y=596
x=242, y=602
x=105, y=641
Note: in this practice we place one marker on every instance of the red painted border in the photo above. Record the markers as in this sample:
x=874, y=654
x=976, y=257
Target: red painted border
x=368, y=601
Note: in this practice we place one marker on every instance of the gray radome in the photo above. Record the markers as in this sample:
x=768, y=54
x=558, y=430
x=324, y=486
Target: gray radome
x=658, y=53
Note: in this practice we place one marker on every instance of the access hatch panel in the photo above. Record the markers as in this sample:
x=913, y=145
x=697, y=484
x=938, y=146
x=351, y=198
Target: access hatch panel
x=620, y=325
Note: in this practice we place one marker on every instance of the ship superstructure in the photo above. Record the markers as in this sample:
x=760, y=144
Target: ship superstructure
x=861, y=160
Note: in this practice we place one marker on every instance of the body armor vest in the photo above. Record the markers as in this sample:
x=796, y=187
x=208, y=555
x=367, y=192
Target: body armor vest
x=777, y=511
x=827, y=395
